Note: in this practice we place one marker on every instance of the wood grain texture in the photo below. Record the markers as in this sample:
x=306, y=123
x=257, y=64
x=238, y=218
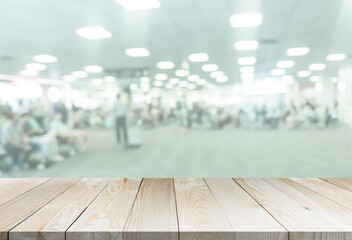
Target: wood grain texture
x=51, y=221
x=153, y=215
x=11, y=188
x=338, y=194
x=306, y=214
x=248, y=219
x=107, y=215
x=16, y=211
x=345, y=183
x=199, y=215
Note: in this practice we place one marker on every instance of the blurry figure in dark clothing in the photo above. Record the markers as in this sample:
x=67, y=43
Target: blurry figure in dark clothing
x=60, y=108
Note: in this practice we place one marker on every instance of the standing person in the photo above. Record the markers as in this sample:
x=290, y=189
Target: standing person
x=120, y=111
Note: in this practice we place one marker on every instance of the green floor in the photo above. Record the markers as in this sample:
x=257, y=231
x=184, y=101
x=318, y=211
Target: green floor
x=174, y=152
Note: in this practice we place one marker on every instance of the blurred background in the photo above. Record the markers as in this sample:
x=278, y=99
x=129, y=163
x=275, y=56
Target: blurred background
x=175, y=88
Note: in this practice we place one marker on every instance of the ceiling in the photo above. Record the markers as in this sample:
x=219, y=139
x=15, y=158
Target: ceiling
x=172, y=32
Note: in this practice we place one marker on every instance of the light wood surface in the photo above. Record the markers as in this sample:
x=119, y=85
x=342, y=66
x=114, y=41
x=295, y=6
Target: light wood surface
x=153, y=215
x=199, y=215
x=176, y=209
x=107, y=216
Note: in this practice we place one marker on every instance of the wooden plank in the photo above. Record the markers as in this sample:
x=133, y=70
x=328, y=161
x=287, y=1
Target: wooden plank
x=345, y=183
x=153, y=215
x=199, y=215
x=248, y=219
x=107, y=215
x=331, y=191
x=306, y=214
x=56, y=217
x=16, y=211
x=11, y=188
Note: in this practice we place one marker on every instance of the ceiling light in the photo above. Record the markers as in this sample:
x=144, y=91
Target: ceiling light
x=317, y=67
x=210, y=67
x=192, y=86
x=134, y=86
x=97, y=81
x=288, y=80
x=246, y=20
x=198, y=57
x=336, y=57
x=137, y=52
x=174, y=80
x=161, y=76
x=80, y=74
x=169, y=86
x=165, y=65
x=301, y=51
x=93, y=69
x=69, y=78
x=222, y=79
x=278, y=72
x=45, y=58
x=145, y=80
x=28, y=73
x=247, y=69
x=134, y=5
x=109, y=79
x=93, y=32
x=201, y=81
x=158, y=83
x=35, y=66
x=285, y=64
x=315, y=79
x=184, y=83
x=319, y=87
x=247, y=61
x=217, y=74
x=246, y=45
x=193, y=78
x=182, y=73
x=304, y=73
x=247, y=76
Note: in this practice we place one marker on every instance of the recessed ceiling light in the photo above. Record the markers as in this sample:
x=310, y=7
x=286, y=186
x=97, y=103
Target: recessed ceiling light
x=198, y=57
x=246, y=45
x=80, y=74
x=174, y=80
x=137, y=52
x=69, y=78
x=193, y=78
x=28, y=73
x=247, y=69
x=246, y=20
x=161, y=76
x=315, y=79
x=109, y=79
x=35, y=66
x=93, y=69
x=317, y=67
x=304, y=73
x=301, y=51
x=93, y=32
x=222, y=79
x=165, y=65
x=288, y=80
x=210, y=67
x=278, y=72
x=319, y=86
x=97, y=81
x=182, y=73
x=45, y=58
x=158, y=83
x=134, y=5
x=247, y=61
x=336, y=57
x=285, y=64
x=217, y=74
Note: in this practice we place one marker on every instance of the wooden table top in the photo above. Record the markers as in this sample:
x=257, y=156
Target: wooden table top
x=185, y=209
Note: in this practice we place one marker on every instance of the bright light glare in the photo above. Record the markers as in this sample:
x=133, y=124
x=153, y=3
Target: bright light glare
x=145, y=80
x=45, y=58
x=165, y=65
x=301, y=51
x=134, y=5
x=201, y=81
x=193, y=78
x=182, y=73
x=317, y=67
x=335, y=79
x=341, y=86
x=158, y=83
x=28, y=73
x=54, y=94
x=319, y=87
x=109, y=79
x=246, y=45
x=93, y=69
x=336, y=57
x=247, y=61
x=80, y=74
x=315, y=79
x=288, y=80
x=198, y=57
x=137, y=52
x=278, y=72
x=246, y=20
x=97, y=82
x=184, y=84
x=285, y=64
x=247, y=76
x=247, y=69
x=35, y=66
x=93, y=32
x=174, y=80
x=237, y=88
x=217, y=74
x=210, y=67
x=69, y=78
x=161, y=76
x=262, y=88
x=304, y=74
x=222, y=79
